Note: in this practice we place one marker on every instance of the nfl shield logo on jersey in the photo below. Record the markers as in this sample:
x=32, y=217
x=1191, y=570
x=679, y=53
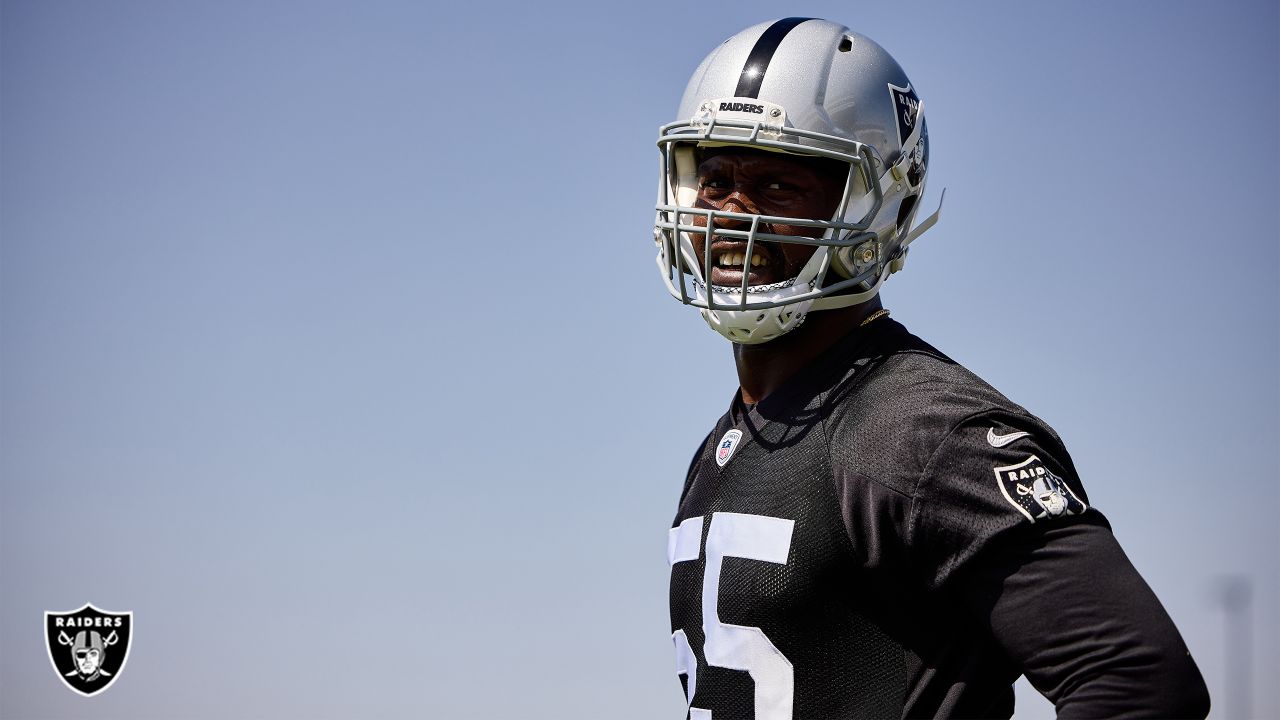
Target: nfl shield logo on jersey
x=88, y=647
x=1036, y=492
x=728, y=444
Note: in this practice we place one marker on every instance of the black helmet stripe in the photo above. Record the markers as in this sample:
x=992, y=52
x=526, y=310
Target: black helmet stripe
x=758, y=61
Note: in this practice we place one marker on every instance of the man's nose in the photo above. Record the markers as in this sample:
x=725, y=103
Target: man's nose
x=737, y=202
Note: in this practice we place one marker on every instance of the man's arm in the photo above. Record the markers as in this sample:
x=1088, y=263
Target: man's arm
x=1070, y=609
x=1002, y=520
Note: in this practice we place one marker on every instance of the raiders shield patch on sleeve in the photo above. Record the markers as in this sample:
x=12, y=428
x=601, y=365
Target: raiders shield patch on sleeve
x=1036, y=492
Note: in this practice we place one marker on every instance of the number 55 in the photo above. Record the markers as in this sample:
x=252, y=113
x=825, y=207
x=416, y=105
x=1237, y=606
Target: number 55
x=736, y=647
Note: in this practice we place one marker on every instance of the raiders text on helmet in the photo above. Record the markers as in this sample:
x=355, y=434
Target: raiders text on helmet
x=806, y=87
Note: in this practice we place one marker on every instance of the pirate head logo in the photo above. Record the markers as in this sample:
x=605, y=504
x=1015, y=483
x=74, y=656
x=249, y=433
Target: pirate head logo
x=1036, y=492
x=919, y=158
x=88, y=647
x=87, y=651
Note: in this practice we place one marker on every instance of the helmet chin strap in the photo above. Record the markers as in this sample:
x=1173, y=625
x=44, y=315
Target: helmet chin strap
x=835, y=302
x=925, y=225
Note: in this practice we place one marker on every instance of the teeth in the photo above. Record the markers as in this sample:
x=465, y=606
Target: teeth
x=735, y=259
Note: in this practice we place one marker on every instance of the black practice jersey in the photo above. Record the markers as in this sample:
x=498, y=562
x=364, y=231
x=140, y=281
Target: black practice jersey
x=887, y=536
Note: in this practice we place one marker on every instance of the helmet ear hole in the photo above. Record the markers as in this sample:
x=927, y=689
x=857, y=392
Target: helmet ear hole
x=846, y=44
x=906, y=208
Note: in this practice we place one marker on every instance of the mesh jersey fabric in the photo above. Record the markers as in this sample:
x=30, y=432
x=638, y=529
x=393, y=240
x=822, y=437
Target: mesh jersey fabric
x=907, y=520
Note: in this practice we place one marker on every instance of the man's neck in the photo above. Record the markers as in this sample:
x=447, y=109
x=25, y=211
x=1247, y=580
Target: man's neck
x=763, y=368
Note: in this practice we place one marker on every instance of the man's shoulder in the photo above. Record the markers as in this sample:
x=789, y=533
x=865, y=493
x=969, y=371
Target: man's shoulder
x=903, y=398
x=904, y=377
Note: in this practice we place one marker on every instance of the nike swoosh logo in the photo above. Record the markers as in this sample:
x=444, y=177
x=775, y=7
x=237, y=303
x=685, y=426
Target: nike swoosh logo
x=995, y=440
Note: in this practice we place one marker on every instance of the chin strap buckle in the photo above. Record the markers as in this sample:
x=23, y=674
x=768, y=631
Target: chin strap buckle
x=895, y=265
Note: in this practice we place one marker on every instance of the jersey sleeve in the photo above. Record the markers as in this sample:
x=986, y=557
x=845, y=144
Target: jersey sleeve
x=992, y=474
x=1001, y=522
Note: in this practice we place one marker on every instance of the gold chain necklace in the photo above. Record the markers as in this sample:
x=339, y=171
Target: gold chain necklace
x=882, y=312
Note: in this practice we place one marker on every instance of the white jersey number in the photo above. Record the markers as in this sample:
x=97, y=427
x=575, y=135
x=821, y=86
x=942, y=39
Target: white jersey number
x=737, y=647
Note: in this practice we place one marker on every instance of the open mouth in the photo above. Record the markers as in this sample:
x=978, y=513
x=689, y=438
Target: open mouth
x=729, y=262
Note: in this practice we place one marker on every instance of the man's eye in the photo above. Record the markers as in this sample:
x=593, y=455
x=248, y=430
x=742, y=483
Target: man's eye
x=714, y=184
x=788, y=187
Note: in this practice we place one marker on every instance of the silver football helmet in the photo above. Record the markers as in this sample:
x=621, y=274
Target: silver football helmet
x=805, y=87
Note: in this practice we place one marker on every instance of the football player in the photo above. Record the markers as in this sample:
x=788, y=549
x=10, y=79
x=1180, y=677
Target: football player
x=870, y=531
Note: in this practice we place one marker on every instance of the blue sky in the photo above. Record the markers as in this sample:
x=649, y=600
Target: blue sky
x=331, y=343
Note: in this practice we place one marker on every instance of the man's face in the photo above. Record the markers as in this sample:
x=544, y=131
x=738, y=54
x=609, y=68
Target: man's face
x=1050, y=496
x=764, y=183
x=87, y=660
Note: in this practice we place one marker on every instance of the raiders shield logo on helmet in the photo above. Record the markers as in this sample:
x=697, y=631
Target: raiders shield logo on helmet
x=88, y=647
x=1036, y=492
x=906, y=105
